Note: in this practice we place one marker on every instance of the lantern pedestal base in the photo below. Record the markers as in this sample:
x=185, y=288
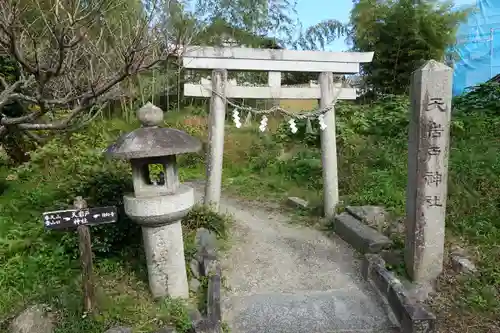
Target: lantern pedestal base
x=164, y=250
x=160, y=218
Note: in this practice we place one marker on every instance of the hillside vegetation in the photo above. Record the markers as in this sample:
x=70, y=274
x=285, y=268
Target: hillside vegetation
x=372, y=147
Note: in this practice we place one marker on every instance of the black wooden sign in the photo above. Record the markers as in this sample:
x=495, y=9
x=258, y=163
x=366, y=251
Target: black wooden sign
x=62, y=219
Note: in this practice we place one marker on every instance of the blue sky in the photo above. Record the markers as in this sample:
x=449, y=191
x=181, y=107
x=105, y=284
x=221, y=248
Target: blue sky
x=313, y=11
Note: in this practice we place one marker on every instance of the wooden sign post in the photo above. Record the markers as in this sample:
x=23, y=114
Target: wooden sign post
x=82, y=217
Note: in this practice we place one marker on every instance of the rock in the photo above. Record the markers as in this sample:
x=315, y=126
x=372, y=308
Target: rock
x=462, y=264
x=119, y=329
x=209, y=266
x=206, y=239
x=194, y=284
x=393, y=257
x=167, y=329
x=457, y=250
x=395, y=227
x=11, y=177
x=194, y=265
x=297, y=202
x=198, y=323
x=35, y=319
x=420, y=292
x=374, y=216
x=194, y=314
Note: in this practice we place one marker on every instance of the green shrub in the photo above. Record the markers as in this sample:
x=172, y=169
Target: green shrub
x=196, y=110
x=202, y=217
x=484, y=97
x=74, y=165
x=304, y=168
x=40, y=266
x=284, y=135
x=387, y=117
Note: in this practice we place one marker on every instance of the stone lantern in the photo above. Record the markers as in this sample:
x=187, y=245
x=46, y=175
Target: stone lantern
x=158, y=206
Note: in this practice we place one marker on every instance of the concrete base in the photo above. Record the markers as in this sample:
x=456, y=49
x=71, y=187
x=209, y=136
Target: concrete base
x=164, y=249
x=159, y=210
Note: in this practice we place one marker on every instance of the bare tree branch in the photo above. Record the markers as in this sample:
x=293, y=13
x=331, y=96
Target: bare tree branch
x=9, y=91
x=73, y=56
x=39, y=140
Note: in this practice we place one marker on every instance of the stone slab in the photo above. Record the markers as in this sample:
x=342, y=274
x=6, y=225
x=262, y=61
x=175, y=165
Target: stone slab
x=295, y=202
x=35, y=319
x=208, y=265
x=463, y=265
x=214, y=310
x=372, y=215
x=363, y=238
x=334, y=311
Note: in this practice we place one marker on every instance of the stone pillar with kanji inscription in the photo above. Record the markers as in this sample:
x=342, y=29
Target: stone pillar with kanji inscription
x=427, y=171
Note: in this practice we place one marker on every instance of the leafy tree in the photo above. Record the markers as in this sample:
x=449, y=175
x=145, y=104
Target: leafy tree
x=319, y=35
x=253, y=23
x=275, y=19
x=403, y=35
x=257, y=17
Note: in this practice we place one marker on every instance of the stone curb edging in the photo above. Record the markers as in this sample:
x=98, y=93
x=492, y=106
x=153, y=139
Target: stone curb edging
x=359, y=235
x=412, y=316
x=209, y=267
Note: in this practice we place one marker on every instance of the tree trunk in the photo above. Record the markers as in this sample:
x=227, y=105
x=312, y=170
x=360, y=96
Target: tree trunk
x=14, y=142
x=16, y=146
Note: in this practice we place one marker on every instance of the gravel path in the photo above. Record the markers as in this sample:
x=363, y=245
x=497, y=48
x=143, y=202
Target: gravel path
x=293, y=279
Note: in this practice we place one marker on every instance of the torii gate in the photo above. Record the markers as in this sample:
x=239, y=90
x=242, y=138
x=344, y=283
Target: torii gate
x=274, y=61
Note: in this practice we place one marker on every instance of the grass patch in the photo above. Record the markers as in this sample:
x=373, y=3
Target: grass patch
x=39, y=266
x=372, y=150
x=42, y=267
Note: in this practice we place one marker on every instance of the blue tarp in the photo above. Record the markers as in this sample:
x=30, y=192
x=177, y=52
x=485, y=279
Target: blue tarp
x=478, y=46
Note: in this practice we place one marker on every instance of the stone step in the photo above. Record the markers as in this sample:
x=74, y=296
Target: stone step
x=305, y=312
